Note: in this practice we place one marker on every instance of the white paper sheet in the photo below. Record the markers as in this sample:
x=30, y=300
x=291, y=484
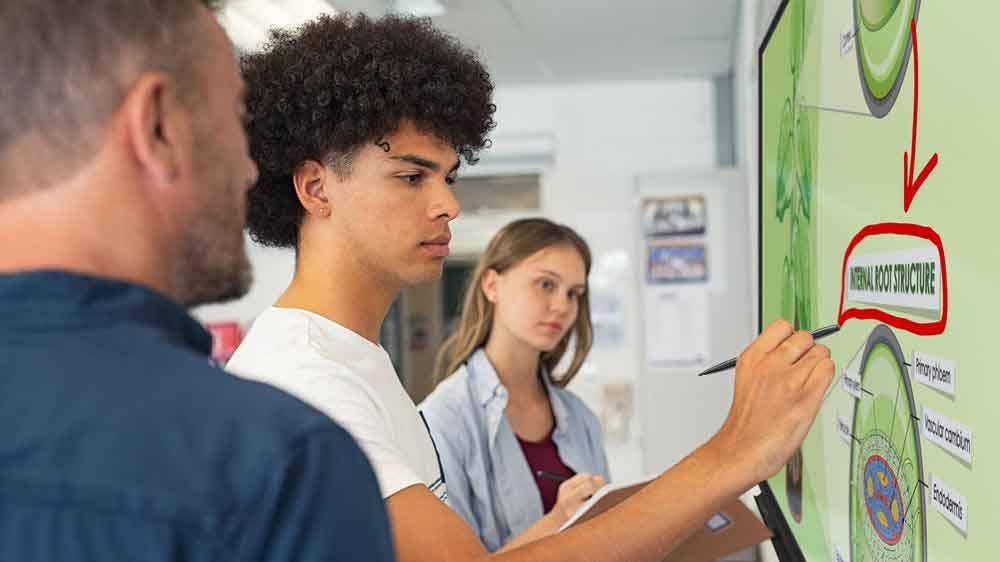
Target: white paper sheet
x=676, y=326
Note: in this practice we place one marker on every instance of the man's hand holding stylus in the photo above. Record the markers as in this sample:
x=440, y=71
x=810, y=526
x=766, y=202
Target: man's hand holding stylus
x=781, y=379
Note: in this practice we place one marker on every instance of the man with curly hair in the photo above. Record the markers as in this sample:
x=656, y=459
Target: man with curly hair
x=123, y=178
x=358, y=127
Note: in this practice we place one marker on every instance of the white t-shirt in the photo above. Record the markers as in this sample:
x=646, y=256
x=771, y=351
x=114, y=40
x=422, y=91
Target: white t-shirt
x=350, y=379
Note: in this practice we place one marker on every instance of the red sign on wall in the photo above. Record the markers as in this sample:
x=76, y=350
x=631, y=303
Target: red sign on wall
x=226, y=337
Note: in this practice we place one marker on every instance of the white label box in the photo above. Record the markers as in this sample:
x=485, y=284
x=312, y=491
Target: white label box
x=949, y=503
x=850, y=384
x=844, y=429
x=908, y=278
x=934, y=372
x=950, y=435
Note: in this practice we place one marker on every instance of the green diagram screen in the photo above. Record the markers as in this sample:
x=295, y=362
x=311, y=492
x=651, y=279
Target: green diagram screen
x=879, y=199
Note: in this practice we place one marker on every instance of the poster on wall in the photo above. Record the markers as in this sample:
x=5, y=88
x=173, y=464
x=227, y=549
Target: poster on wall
x=607, y=318
x=676, y=262
x=674, y=216
x=676, y=325
x=226, y=337
x=611, y=272
x=675, y=246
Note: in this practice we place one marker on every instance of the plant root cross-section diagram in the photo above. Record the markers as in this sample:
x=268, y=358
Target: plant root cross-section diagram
x=887, y=517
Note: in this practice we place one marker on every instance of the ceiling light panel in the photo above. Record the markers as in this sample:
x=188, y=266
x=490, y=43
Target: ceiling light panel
x=248, y=21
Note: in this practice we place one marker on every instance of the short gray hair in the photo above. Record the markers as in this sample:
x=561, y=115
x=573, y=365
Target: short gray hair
x=67, y=64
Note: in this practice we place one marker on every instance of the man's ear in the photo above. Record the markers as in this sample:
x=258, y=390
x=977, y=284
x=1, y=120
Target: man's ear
x=311, y=179
x=488, y=284
x=158, y=127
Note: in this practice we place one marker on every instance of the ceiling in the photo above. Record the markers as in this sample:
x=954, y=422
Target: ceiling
x=560, y=41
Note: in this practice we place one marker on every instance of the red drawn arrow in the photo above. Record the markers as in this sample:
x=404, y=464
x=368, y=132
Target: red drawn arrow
x=910, y=187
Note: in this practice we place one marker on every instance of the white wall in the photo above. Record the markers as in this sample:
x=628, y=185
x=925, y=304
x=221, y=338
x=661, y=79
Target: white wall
x=682, y=410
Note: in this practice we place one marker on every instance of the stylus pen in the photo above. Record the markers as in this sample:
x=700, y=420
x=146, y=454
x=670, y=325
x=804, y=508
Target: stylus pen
x=730, y=363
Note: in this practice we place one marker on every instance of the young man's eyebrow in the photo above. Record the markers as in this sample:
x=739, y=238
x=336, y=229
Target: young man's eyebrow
x=424, y=162
x=418, y=160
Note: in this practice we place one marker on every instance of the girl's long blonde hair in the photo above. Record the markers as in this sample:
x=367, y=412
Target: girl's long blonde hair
x=512, y=244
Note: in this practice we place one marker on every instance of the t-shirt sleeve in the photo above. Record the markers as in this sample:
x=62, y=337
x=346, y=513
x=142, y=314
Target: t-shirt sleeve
x=323, y=504
x=353, y=405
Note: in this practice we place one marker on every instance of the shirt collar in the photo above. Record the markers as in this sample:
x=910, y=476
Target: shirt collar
x=487, y=382
x=50, y=299
x=491, y=393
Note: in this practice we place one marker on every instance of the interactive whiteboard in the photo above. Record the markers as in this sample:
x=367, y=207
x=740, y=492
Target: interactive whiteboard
x=878, y=211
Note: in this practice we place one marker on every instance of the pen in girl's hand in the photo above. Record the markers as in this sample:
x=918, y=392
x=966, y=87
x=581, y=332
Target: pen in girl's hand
x=551, y=475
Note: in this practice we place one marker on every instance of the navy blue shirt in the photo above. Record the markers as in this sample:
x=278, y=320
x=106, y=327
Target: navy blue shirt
x=119, y=441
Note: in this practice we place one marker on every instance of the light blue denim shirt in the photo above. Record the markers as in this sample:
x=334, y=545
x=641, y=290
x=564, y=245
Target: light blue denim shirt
x=489, y=482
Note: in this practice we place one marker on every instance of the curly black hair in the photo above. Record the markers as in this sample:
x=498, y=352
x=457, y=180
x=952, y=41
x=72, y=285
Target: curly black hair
x=322, y=91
